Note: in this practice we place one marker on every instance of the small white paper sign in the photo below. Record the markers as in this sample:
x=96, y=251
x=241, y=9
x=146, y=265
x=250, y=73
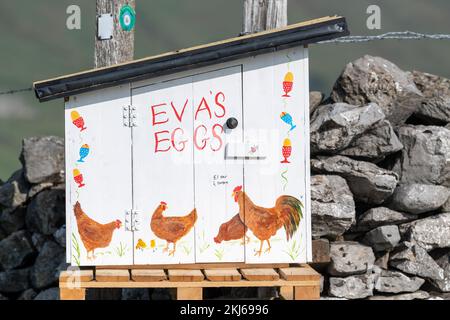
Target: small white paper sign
x=105, y=26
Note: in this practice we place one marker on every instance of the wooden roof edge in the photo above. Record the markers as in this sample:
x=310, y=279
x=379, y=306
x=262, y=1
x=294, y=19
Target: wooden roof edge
x=330, y=27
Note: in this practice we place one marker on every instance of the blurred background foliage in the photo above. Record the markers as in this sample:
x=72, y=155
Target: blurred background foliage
x=36, y=45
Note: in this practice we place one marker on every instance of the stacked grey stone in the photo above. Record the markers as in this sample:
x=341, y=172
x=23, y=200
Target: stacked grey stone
x=386, y=134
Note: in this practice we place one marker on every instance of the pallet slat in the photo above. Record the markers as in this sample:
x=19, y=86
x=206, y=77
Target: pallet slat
x=222, y=275
x=260, y=274
x=142, y=275
x=298, y=274
x=184, y=275
x=77, y=275
x=106, y=275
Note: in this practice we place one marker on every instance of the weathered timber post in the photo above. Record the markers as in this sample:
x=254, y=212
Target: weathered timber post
x=260, y=15
x=120, y=48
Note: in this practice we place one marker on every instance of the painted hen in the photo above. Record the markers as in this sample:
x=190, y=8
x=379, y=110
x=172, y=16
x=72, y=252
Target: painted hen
x=265, y=222
x=93, y=234
x=171, y=229
x=233, y=229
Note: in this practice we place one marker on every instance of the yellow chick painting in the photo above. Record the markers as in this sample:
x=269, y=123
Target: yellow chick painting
x=141, y=245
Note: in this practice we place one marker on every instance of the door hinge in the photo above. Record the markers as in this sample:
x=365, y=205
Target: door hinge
x=132, y=220
x=129, y=116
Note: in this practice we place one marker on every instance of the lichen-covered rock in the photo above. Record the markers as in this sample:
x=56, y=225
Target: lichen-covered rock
x=425, y=155
x=321, y=251
x=315, y=99
x=39, y=240
x=375, y=144
x=46, y=213
x=419, y=198
x=34, y=190
x=15, y=250
x=12, y=220
x=429, y=233
x=414, y=260
x=44, y=272
x=14, y=192
x=368, y=182
x=374, y=79
x=332, y=206
x=43, y=159
x=383, y=238
x=382, y=260
x=444, y=262
x=418, y=295
x=49, y=294
x=60, y=236
x=396, y=282
x=353, y=287
x=436, y=91
x=14, y=281
x=381, y=216
x=349, y=258
x=334, y=126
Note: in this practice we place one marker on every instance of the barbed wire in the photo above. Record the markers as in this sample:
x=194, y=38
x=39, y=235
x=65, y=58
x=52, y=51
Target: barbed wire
x=14, y=91
x=398, y=35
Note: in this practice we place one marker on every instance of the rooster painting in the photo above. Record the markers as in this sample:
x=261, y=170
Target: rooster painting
x=265, y=222
x=93, y=234
x=171, y=229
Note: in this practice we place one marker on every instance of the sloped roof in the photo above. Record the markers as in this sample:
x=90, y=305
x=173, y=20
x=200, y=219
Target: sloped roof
x=303, y=33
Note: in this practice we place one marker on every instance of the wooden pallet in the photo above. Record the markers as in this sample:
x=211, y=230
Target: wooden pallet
x=299, y=282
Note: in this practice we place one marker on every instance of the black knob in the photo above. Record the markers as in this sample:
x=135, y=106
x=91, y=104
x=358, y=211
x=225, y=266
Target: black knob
x=232, y=123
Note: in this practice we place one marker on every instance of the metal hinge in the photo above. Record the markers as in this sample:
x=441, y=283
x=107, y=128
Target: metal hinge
x=129, y=116
x=132, y=221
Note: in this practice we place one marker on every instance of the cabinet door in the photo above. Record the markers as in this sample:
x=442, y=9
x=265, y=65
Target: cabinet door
x=276, y=118
x=163, y=175
x=217, y=97
x=98, y=178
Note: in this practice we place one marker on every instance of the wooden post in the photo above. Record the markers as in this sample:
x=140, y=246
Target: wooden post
x=107, y=53
x=260, y=15
x=121, y=47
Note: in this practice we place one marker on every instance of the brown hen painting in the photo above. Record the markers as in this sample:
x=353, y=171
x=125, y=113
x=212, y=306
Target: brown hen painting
x=94, y=235
x=171, y=229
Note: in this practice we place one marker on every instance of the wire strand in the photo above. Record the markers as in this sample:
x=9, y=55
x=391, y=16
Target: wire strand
x=402, y=35
x=396, y=35
x=14, y=91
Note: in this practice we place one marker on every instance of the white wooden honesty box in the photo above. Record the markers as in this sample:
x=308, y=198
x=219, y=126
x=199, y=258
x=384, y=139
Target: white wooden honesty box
x=206, y=164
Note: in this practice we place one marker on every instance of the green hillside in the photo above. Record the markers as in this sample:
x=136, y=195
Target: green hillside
x=35, y=45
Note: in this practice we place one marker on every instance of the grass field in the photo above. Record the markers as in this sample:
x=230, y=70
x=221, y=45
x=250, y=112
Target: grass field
x=35, y=45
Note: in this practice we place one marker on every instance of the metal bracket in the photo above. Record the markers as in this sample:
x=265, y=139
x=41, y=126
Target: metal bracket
x=132, y=220
x=129, y=116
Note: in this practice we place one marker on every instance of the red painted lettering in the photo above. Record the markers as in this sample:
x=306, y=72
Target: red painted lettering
x=203, y=140
x=204, y=108
x=154, y=114
x=220, y=105
x=158, y=141
x=182, y=142
x=179, y=116
x=217, y=136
